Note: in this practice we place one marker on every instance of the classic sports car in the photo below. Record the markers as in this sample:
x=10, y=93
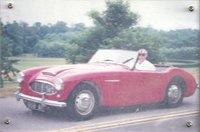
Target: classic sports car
x=108, y=79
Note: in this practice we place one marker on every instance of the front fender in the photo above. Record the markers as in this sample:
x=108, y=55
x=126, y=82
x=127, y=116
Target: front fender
x=71, y=82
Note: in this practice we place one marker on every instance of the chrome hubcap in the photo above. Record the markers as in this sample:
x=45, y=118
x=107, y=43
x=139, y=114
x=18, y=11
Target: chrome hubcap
x=84, y=102
x=174, y=93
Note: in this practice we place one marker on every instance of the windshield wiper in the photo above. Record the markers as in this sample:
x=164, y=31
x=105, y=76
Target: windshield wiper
x=127, y=60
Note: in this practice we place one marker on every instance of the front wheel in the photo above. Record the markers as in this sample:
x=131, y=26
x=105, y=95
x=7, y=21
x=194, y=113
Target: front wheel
x=83, y=102
x=174, y=94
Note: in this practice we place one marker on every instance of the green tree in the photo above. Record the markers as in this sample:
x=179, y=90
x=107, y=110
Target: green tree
x=14, y=32
x=137, y=38
x=54, y=44
x=116, y=18
x=40, y=30
x=59, y=27
x=77, y=27
x=50, y=49
x=72, y=53
x=181, y=44
x=6, y=64
x=181, y=38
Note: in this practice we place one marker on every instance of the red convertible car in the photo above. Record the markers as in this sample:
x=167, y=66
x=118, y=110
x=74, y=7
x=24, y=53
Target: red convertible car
x=108, y=79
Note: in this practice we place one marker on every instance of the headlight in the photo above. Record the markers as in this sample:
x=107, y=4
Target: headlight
x=20, y=77
x=59, y=84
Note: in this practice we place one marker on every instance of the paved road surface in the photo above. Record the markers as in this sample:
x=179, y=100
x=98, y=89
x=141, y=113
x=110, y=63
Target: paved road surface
x=170, y=125
x=23, y=120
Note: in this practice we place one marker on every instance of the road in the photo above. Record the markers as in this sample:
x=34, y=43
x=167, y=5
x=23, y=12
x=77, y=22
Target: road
x=150, y=118
x=175, y=125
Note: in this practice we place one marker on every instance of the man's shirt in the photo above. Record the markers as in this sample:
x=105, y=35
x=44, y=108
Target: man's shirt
x=145, y=65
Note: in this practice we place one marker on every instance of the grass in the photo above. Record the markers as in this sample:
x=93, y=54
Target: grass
x=28, y=62
x=194, y=71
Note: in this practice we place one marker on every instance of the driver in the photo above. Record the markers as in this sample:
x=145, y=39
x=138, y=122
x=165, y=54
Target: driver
x=143, y=63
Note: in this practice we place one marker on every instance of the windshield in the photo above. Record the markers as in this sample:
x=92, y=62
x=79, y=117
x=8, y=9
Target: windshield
x=124, y=57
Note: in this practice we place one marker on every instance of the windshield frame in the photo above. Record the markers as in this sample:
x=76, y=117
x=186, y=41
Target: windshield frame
x=128, y=57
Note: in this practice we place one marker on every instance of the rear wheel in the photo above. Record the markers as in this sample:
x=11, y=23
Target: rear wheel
x=175, y=93
x=83, y=102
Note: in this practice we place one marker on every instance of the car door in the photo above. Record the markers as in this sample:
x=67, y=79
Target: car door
x=138, y=87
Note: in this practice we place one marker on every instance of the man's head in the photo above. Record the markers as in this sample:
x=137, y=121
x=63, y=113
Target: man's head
x=142, y=54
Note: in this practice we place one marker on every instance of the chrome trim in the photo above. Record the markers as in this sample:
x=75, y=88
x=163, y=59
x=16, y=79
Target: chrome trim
x=42, y=100
x=114, y=81
x=84, y=102
x=197, y=84
x=42, y=81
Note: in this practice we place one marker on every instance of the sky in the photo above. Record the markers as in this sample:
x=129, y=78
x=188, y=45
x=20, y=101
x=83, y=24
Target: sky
x=158, y=14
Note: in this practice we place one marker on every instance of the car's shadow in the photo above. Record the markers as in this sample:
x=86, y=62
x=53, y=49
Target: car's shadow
x=61, y=115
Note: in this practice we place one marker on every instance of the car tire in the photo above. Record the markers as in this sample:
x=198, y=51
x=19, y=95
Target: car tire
x=83, y=102
x=174, y=93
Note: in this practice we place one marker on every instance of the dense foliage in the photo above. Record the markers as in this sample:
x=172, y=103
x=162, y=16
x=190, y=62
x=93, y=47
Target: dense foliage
x=115, y=27
x=181, y=44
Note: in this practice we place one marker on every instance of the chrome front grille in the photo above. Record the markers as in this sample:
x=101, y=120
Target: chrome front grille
x=42, y=87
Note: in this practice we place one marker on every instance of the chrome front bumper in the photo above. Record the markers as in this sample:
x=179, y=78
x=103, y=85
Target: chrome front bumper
x=42, y=101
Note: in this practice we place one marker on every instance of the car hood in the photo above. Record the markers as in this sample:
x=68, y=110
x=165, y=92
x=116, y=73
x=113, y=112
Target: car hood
x=80, y=68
